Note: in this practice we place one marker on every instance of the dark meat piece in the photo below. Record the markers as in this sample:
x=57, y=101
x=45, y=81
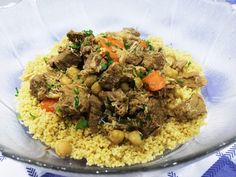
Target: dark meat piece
x=95, y=112
x=76, y=37
x=112, y=76
x=131, y=31
x=137, y=101
x=69, y=99
x=119, y=101
x=179, y=64
x=93, y=63
x=65, y=60
x=193, y=80
x=190, y=109
x=87, y=45
x=38, y=87
x=132, y=58
x=154, y=60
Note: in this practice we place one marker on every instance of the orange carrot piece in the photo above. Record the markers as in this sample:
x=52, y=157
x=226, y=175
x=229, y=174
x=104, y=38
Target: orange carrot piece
x=155, y=81
x=48, y=104
x=143, y=44
x=112, y=42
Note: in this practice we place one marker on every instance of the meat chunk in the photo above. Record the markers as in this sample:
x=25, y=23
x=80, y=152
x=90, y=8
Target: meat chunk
x=179, y=64
x=38, y=87
x=190, y=109
x=119, y=101
x=137, y=101
x=95, y=112
x=112, y=76
x=133, y=59
x=131, y=31
x=87, y=45
x=65, y=60
x=75, y=37
x=193, y=80
x=71, y=104
x=93, y=63
x=154, y=60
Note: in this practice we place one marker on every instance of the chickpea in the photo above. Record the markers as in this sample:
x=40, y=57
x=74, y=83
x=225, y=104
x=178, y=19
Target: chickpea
x=135, y=138
x=63, y=148
x=116, y=136
x=89, y=81
x=124, y=86
x=72, y=72
x=138, y=82
x=65, y=80
x=96, y=88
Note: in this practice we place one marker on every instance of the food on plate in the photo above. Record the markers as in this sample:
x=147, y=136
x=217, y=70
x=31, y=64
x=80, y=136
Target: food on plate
x=114, y=98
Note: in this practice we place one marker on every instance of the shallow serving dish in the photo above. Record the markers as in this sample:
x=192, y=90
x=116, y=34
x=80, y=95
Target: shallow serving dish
x=204, y=28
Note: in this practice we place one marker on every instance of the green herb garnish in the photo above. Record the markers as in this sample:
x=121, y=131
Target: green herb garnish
x=189, y=63
x=76, y=102
x=108, y=44
x=78, y=76
x=126, y=44
x=76, y=90
x=18, y=116
x=103, y=35
x=74, y=46
x=82, y=123
x=32, y=116
x=98, y=49
x=45, y=59
x=107, y=54
x=58, y=109
x=104, y=66
x=109, y=62
x=17, y=92
x=180, y=82
x=149, y=70
x=141, y=74
x=150, y=47
x=100, y=77
x=88, y=32
x=49, y=86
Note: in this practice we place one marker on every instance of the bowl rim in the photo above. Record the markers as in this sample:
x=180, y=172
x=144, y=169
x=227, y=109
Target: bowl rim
x=120, y=170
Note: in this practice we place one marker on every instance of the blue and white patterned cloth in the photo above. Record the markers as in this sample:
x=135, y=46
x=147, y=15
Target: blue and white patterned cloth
x=219, y=164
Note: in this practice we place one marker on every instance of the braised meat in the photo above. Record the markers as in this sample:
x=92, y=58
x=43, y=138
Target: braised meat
x=116, y=82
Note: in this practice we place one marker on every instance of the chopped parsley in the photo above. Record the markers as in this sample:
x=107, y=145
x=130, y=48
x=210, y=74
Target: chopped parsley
x=17, y=92
x=76, y=90
x=141, y=74
x=76, y=102
x=108, y=44
x=78, y=76
x=82, y=123
x=126, y=44
x=104, y=66
x=189, y=63
x=45, y=59
x=103, y=35
x=49, y=86
x=88, y=32
x=109, y=62
x=107, y=54
x=100, y=78
x=58, y=109
x=149, y=70
x=74, y=46
x=150, y=47
x=32, y=116
x=98, y=49
x=18, y=116
x=180, y=82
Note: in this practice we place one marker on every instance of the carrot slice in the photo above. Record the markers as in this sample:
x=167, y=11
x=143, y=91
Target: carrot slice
x=48, y=104
x=155, y=81
x=143, y=44
x=107, y=44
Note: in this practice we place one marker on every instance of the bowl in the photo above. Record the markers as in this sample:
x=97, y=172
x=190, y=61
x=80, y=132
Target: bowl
x=204, y=28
